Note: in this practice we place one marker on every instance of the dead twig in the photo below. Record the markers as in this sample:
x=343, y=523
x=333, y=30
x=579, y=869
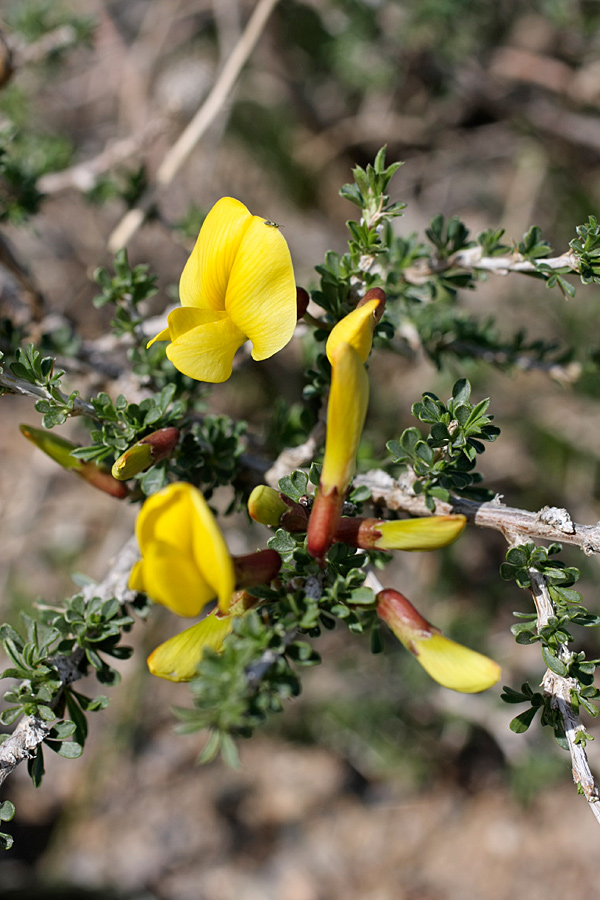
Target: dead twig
x=207, y=113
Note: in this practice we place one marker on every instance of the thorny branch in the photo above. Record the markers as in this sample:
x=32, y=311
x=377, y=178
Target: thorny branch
x=548, y=524
x=31, y=730
x=473, y=258
x=14, y=385
x=559, y=689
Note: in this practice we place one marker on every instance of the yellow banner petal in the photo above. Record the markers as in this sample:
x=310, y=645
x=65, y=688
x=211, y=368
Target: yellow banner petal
x=206, y=352
x=206, y=274
x=455, y=666
x=177, y=658
x=356, y=329
x=428, y=533
x=175, y=581
x=346, y=412
x=211, y=553
x=261, y=294
x=166, y=518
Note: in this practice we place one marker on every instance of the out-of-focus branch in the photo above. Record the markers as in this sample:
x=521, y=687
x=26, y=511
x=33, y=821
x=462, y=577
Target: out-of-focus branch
x=84, y=176
x=31, y=730
x=207, y=113
x=559, y=689
x=548, y=524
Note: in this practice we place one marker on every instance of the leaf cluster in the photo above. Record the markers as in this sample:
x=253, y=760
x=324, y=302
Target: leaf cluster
x=554, y=637
x=444, y=460
x=126, y=289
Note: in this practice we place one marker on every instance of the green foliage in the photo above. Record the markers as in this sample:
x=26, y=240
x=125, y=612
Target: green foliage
x=444, y=460
x=554, y=637
x=126, y=289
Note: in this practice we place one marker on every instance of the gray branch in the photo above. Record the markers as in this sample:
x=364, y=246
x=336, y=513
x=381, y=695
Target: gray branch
x=548, y=524
x=559, y=688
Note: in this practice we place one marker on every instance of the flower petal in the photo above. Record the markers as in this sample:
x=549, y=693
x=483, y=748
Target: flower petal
x=175, y=581
x=346, y=412
x=356, y=329
x=206, y=352
x=261, y=294
x=166, y=517
x=206, y=274
x=210, y=551
x=177, y=658
x=428, y=533
x=455, y=666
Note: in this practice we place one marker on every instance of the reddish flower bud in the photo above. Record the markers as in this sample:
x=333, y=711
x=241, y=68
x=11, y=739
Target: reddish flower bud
x=256, y=568
x=302, y=300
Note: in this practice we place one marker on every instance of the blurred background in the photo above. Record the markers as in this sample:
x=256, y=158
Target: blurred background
x=374, y=784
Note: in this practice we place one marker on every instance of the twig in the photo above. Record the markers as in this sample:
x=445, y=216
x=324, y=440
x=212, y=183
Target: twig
x=548, y=524
x=186, y=142
x=559, y=689
x=84, y=176
x=473, y=258
x=17, y=386
x=31, y=730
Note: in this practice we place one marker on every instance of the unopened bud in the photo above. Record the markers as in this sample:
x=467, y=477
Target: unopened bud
x=427, y=533
x=302, y=301
x=450, y=664
x=60, y=450
x=266, y=505
x=145, y=453
x=324, y=521
x=256, y=568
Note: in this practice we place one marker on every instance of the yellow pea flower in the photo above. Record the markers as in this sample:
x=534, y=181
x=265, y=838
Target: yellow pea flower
x=348, y=347
x=450, y=664
x=185, y=561
x=237, y=285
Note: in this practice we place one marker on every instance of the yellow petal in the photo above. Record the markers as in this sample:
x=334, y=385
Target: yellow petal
x=136, y=577
x=175, y=581
x=177, y=658
x=346, y=412
x=356, y=329
x=206, y=274
x=261, y=294
x=164, y=335
x=428, y=533
x=211, y=552
x=455, y=666
x=206, y=352
x=166, y=518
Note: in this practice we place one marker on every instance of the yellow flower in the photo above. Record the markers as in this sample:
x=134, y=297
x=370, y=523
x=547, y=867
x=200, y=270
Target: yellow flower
x=237, y=285
x=185, y=561
x=348, y=347
x=427, y=533
x=450, y=664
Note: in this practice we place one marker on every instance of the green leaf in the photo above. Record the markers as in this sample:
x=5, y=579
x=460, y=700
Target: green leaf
x=521, y=723
x=7, y=811
x=553, y=662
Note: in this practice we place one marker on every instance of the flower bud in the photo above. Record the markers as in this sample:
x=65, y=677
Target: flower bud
x=266, y=505
x=302, y=300
x=60, y=450
x=450, y=664
x=256, y=568
x=427, y=533
x=146, y=453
